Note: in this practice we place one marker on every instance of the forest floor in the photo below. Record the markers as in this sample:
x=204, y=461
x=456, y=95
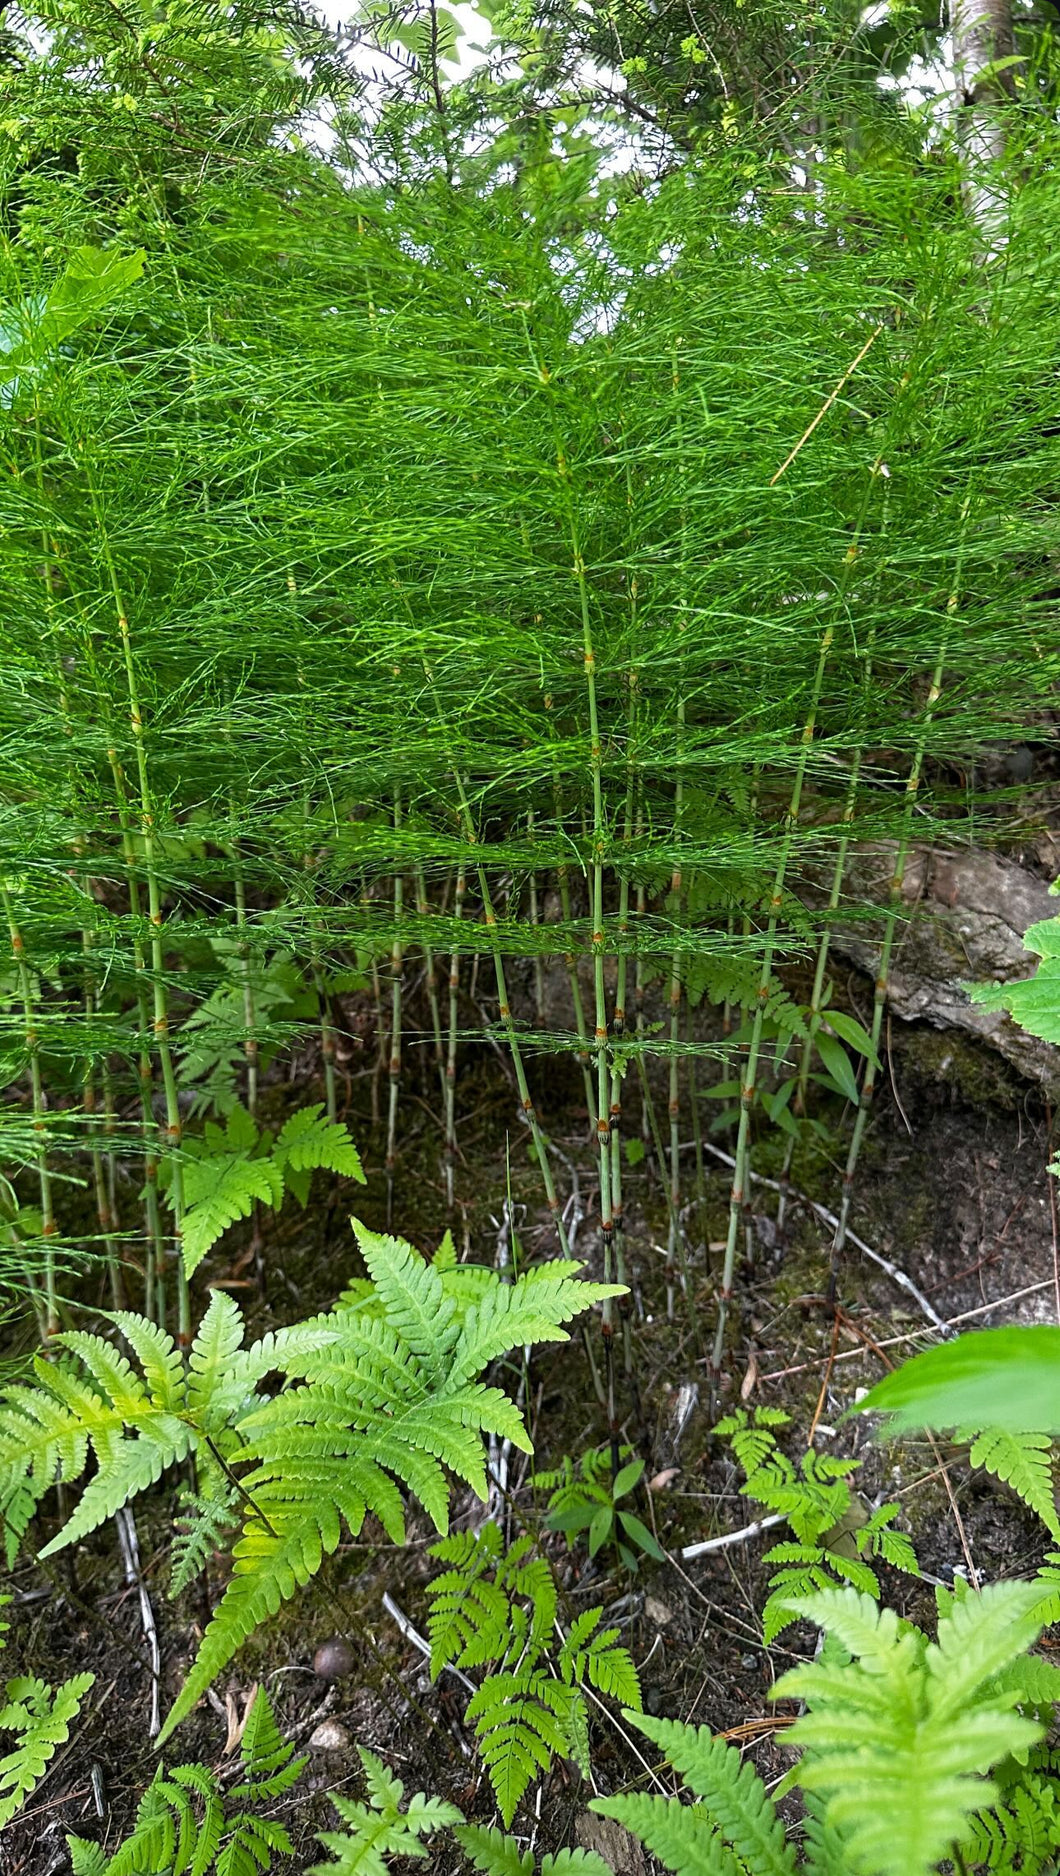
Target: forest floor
x=953, y=1190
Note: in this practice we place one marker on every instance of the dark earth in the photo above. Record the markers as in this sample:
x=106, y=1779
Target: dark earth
x=953, y=1189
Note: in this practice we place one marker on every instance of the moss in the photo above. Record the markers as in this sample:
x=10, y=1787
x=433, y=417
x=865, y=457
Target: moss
x=977, y=1076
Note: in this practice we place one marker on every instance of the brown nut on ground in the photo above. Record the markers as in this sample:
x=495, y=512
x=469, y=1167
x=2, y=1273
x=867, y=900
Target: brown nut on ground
x=334, y=1660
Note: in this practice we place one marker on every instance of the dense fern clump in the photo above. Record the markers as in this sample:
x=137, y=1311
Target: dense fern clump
x=189, y=1824
x=498, y=1608
x=374, y=1396
x=896, y=1739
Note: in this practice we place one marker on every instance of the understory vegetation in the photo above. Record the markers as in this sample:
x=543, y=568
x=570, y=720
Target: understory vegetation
x=506, y=525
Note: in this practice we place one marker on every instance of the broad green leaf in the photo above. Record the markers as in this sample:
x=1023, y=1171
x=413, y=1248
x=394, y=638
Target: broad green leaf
x=1009, y=1378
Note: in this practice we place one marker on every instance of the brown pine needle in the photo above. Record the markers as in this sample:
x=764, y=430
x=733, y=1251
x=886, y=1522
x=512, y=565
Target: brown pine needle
x=827, y=405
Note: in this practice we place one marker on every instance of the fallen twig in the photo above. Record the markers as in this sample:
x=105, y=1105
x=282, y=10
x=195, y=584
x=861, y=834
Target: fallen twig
x=130, y=1552
x=412, y=1634
x=729, y=1538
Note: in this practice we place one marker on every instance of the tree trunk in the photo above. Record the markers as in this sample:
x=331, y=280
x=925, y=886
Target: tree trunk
x=982, y=37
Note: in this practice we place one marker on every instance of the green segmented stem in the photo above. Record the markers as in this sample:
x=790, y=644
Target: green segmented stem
x=174, y=1130
x=50, y=1324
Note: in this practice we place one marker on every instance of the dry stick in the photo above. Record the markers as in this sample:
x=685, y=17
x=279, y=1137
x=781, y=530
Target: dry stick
x=730, y=1538
x=459, y=897
x=747, y=1089
x=397, y=963
x=130, y=1551
x=827, y=405
x=50, y=1321
x=879, y=1001
x=160, y=1026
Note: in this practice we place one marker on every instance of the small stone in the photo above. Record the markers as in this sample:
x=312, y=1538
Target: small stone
x=329, y=1736
x=657, y=1612
x=334, y=1660
x=748, y=1661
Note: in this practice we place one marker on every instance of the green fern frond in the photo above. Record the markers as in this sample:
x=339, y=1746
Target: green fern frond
x=1047, y=1582
x=270, y=1563
x=826, y=1848
x=599, y=1655
x=896, y=1740
x=682, y=1836
x=202, y=1527
x=413, y=1297
x=306, y=1143
x=40, y=1718
x=492, y=1852
x=515, y=1315
x=733, y=1794
x=186, y=1825
x=522, y=1721
x=806, y=1569
x=380, y=1828
x=224, y=1178
x=574, y=1863
x=1022, y=1461
x=1020, y=1834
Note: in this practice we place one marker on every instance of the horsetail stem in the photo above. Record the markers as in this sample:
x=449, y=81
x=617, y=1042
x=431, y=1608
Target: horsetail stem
x=50, y=1324
x=160, y=1025
x=879, y=1000
x=459, y=896
x=397, y=966
x=747, y=1090
x=423, y=910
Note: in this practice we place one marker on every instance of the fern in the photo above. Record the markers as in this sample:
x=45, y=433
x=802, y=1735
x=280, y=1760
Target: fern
x=834, y=1535
x=380, y=1828
x=1022, y=1461
x=307, y=1143
x=187, y=1825
x=896, y=1739
x=231, y=1169
x=498, y=1608
x=371, y=1405
x=895, y=1742
x=682, y=1836
x=522, y=1721
x=203, y=1528
x=40, y=1718
x=497, y=1855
